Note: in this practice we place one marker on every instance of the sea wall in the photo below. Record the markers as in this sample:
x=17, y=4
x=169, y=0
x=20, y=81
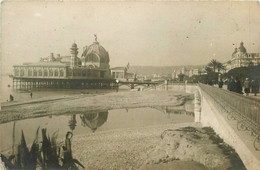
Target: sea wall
x=211, y=115
x=208, y=113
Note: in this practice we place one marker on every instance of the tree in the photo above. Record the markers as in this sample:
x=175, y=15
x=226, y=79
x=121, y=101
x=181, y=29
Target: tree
x=208, y=69
x=220, y=66
x=213, y=64
x=181, y=77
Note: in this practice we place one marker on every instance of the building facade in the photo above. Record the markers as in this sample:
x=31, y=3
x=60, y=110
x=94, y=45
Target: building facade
x=122, y=74
x=241, y=58
x=91, y=67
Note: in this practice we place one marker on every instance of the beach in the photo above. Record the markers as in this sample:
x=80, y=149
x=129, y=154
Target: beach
x=140, y=147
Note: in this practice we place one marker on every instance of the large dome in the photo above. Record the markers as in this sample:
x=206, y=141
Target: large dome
x=96, y=49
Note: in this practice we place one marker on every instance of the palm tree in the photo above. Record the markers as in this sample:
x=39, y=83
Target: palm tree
x=220, y=66
x=213, y=64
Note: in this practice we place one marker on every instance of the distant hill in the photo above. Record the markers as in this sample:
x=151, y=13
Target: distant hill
x=149, y=70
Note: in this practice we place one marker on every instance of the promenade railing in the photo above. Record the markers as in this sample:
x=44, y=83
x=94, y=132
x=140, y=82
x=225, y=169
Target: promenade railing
x=244, y=109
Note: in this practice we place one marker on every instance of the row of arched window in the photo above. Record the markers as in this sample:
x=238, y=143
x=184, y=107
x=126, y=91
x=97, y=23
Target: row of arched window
x=39, y=73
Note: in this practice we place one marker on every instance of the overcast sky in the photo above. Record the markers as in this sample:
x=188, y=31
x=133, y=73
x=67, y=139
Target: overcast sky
x=142, y=33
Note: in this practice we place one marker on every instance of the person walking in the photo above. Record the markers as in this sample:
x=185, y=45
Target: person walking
x=11, y=98
x=31, y=94
x=238, y=87
x=220, y=83
x=247, y=87
x=255, y=87
x=232, y=85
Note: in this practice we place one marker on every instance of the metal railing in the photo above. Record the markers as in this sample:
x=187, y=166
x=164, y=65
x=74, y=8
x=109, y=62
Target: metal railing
x=245, y=110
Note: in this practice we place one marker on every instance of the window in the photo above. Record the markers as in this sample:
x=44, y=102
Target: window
x=56, y=73
x=40, y=72
x=50, y=72
x=92, y=58
x=29, y=72
x=61, y=73
x=34, y=73
x=16, y=72
x=22, y=72
x=45, y=73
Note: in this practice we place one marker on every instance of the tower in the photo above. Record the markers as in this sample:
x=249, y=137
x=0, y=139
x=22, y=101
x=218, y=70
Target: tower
x=74, y=53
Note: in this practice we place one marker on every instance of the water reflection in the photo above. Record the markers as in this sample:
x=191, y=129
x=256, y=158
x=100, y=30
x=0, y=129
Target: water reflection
x=89, y=122
x=94, y=120
x=173, y=110
x=72, y=122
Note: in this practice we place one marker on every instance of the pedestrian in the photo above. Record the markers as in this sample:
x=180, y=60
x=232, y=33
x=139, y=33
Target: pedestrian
x=238, y=87
x=11, y=98
x=247, y=87
x=255, y=87
x=232, y=85
x=220, y=83
x=31, y=94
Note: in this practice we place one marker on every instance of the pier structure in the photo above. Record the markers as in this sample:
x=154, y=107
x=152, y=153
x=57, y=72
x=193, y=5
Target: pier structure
x=91, y=70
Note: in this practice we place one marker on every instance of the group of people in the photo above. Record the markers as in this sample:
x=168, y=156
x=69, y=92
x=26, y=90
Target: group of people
x=236, y=86
x=253, y=85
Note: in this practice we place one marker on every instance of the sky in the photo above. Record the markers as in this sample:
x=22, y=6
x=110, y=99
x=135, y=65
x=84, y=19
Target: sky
x=141, y=33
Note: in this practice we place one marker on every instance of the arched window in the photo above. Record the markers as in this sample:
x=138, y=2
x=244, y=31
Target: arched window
x=45, y=73
x=40, y=72
x=61, y=73
x=92, y=58
x=102, y=60
x=56, y=73
x=29, y=72
x=50, y=72
x=22, y=72
x=16, y=72
x=34, y=73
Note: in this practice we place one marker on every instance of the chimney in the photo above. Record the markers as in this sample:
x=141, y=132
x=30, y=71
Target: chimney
x=51, y=57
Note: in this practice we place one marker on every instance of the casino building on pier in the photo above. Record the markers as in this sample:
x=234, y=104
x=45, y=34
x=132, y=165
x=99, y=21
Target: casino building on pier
x=91, y=70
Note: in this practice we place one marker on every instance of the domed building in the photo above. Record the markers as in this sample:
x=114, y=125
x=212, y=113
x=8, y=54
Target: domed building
x=95, y=56
x=91, y=70
x=241, y=58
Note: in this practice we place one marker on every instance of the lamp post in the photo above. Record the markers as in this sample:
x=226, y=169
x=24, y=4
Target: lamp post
x=117, y=85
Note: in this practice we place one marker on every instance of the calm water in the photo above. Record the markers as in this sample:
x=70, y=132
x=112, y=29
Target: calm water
x=91, y=122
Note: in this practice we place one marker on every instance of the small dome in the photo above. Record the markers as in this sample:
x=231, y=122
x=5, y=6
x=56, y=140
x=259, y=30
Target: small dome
x=242, y=48
x=74, y=45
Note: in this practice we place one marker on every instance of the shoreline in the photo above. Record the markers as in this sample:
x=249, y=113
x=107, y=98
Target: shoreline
x=92, y=102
